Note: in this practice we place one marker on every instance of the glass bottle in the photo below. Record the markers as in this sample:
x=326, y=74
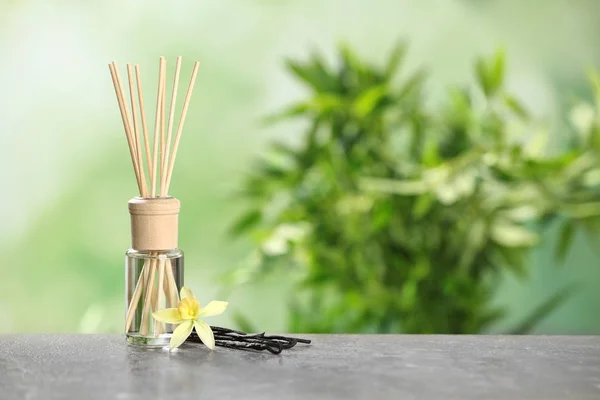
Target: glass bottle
x=153, y=269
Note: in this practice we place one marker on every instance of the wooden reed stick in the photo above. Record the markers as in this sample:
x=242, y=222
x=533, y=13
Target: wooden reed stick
x=148, y=299
x=161, y=277
x=134, y=301
x=156, y=330
x=186, y=104
x=167, y=294
x=163, y=184
x=154, y=299
x=167, y=288
x=157, y=123
x=171, y=292
x=114, y=72
x=163, y=120
x=174, y=293
x=136, y=133
x=138, y=79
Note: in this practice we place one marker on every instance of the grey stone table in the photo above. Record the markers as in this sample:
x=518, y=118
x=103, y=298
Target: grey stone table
x=334, y=367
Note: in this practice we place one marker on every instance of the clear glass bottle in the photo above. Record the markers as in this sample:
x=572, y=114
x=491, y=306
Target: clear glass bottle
x=153, y=280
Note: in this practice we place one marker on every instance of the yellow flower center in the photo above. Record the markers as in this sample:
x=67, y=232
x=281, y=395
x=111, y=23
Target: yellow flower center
x=188, y=308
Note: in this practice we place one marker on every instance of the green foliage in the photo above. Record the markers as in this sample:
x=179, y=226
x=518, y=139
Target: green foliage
x=394, y=217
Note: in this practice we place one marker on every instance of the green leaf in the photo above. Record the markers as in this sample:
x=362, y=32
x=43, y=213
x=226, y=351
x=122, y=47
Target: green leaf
x=382, y=214
x=490, y=74
x=285, y=150
x=523, y=213
x=413, y=187
x=476, y=238
x=351, y=60
x=325, y=103
x=289, y=112
x=431, y=154
x=565, y=239
x=508, y=234
x=583, y=210
x=448, y=193
x=412, y=85
x=408, y=294
x=579, y=165
x=303, y=72
x=515, y=106
x=497, y=71
x=246, y=222
x=369, y=100
x=321, y=104
x=314, y=74
x=395, y=60
x=513, y=259
x=543, y=310
x=423, y=205
x=481, y=72
x=270, y=171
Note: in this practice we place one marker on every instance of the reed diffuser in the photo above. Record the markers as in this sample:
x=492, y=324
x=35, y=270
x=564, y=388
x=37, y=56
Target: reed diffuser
x=154, y=263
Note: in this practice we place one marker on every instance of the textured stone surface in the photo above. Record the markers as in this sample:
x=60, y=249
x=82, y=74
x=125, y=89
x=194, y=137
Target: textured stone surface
x=334, y=366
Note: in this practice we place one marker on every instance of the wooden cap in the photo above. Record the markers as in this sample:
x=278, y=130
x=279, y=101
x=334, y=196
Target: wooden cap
x=154, y=223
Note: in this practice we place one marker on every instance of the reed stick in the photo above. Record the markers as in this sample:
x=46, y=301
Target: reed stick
x=114, y=72
x=163, y=120
x=148, y=299
x=136, y=134
x=137, y=293
x=186, y=104
x=157, y=122
x=158, y=326
x=174, y=293
x=163, y=184
x=171, y=292
x=138, y=79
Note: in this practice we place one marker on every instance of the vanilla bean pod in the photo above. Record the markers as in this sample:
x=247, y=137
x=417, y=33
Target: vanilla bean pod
x=233, y=339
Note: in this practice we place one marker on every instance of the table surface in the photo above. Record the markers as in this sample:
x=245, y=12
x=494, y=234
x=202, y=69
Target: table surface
x=333, y=367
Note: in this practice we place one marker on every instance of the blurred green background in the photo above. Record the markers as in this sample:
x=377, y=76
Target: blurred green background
x=67, y=174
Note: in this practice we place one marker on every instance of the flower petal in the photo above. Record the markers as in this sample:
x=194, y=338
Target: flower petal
x=168, y=315
x=186, y=292
x=180, y=334
x=213, y=308
x=205, y=333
